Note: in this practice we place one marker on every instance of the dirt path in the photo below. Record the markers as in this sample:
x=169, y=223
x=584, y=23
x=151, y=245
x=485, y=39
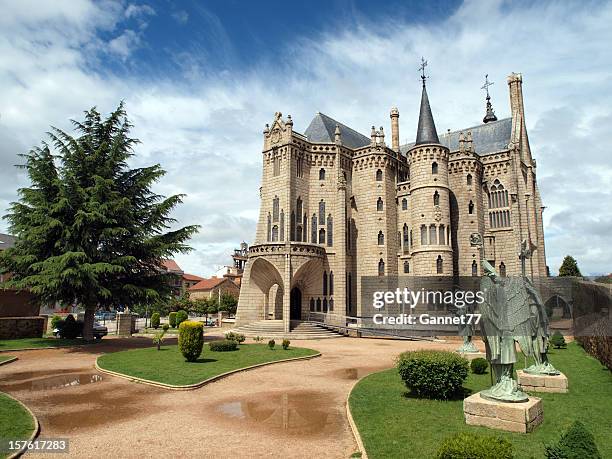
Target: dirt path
x=288, y=410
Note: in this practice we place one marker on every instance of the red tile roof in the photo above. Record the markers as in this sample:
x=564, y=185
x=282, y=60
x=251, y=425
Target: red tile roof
x=192, y=277
x=171, y=265
x=208, y=284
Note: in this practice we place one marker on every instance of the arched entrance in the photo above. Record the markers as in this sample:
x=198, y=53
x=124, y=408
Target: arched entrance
x=296, y=304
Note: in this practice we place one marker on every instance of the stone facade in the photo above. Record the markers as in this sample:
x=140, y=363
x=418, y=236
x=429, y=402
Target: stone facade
x=22, y=327
x=337, y=206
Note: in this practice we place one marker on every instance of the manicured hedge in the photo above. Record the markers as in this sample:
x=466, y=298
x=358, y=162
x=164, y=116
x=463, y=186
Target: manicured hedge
x=181, y=316
x=155, y=319
x=223, y=345
x=479, y=366
x=466, y=445
x=432, y=374
x=191, y=339
x=172, y=319
x=576, y=443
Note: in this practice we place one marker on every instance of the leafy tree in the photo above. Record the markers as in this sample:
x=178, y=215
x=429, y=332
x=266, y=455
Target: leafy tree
x=228, y=303
x=569, y=267
x=89, y=229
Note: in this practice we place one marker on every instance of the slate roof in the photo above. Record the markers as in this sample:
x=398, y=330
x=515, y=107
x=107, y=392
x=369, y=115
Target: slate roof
x=322, y=129
x=426, y=131
x=6, y=241
x=487, y=138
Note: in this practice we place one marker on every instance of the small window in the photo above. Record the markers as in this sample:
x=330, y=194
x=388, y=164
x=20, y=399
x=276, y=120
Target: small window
x=313, y=228
x=381, y=267
x=439, y=265
x=312, y=304
x=436, y=198
x=275, y=233
x=318, y=304
x=471, y=208
x=404, y=204
x=331, y=282
x=322, y=213
x=300, y=167
x=379, y=175
x=277, y=161
x=423, y=235
x=322, y=174
x=321, y=236
x=379, y=205
x=502, y=269
x=441, y=235
x=474, y=268
x=330, y=231
x=406, y=267
x=469, y=179
x=434, y=168
x=433, y=235
x=324, y=283
x=381, y=238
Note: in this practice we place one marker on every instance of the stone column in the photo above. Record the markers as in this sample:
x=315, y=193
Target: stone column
x=287, y=291
x=395, y=142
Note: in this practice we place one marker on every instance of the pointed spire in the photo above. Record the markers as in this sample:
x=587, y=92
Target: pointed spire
x=426, y=132
x=490, y=116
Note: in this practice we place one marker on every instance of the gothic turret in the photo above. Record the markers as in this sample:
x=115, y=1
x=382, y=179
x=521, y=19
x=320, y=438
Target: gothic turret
x=426, y=132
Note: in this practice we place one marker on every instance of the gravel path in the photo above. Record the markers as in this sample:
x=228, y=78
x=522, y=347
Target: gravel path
x=287, y=410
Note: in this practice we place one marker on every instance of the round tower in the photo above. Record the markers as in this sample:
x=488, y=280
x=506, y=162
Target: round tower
x=430, y=198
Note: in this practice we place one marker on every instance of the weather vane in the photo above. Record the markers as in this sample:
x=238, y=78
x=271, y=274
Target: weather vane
x=486, y=85
x=422, y=69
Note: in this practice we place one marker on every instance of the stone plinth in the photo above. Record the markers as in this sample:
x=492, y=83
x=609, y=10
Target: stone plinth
x=472, y=355
x=125, y=324
x=542, y=383
x=513, y=417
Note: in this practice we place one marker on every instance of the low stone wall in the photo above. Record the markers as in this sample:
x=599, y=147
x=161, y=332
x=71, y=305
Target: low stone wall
x=15, y=303
x=21, y=327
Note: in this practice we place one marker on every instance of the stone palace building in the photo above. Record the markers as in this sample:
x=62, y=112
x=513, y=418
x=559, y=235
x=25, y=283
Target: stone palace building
x=337, y=205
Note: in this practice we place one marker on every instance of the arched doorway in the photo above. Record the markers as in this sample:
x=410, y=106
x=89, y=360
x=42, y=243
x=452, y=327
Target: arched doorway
x=296, y=304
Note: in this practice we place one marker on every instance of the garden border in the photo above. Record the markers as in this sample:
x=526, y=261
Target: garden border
x=5, y=362
x=35, y=432
x=353, y=426
x=201, y=383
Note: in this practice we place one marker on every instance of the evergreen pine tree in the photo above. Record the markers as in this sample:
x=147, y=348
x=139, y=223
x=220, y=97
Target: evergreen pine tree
x=89, y=229
x=569, y=267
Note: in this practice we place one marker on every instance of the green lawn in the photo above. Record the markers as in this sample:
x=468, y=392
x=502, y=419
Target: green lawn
x=4, y=357
x=168, y=366
x=25, y=343
x=15, y=422
x=170, y=331
x=393, y=425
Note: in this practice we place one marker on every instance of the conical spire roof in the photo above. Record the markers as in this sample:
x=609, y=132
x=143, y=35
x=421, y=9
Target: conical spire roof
x=426, y=132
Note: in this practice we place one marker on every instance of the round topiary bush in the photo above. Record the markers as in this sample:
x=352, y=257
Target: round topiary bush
x=223, y=345
x=432, y=374
x=191, y=339
x=155, y=320
x=466, y=445
x=181, y=316
x=479, y=366
x=576, y=442
x=165, y=327
x=286, y=344
x=172, y=319
x=70, y=328
x=557, y=340
x=56, y=321
x=271, y=344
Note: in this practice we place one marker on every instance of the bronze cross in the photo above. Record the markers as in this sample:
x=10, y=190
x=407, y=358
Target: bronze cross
x=422, y=69
x=487, y=83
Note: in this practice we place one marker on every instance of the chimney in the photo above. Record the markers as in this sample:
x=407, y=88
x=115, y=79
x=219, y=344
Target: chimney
x=395, y=129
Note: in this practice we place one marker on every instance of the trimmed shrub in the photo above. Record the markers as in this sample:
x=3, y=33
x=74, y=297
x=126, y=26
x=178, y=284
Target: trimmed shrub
x=432, y=374
x=271, y=344
x=258, y=339
x=286, y=344
x=172, y=319
x=479, y=366
x=223, y=345
x=575, y=443
x=155, y=320
x=467, y=445
x=70, y=328
x=558, y=341
x=238, y=337
x=181, y=316
x=191, y=339
x=165, y=327
x=55, y=321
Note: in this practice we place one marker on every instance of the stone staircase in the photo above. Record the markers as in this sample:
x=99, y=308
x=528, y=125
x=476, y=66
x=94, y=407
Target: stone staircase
x=274, y=329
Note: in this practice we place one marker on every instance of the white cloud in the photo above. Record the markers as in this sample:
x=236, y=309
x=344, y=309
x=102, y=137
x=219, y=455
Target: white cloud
x=181, y=16
x=207, y=133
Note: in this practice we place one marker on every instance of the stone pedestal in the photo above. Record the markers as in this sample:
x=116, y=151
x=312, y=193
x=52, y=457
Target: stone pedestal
x=513, y=417
x=472, y=355
x=542, y=383
x=126, y=323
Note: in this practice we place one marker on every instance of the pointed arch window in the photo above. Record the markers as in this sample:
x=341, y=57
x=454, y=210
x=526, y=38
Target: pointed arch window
x=423, y=235
x=300, y=167
x=275, y=208
x=404, y=204
x=411, y=239
x=324, y=304
x=406, y=237
x=434, y=168
x=321, y=174
x=322, y=212
x=313, y=229
x=269, y=229
x=330, y=231
x=331, y=282
x=474, y=268
x=292, y=227
x=381, y=267
x=499, y=206
x=379, y=205
x=436, y=199
x=298, y=206
x=433, y=239
x=379, y=175
x=318, y=304
x=471, y=207
x=312, y=304
x=439, y=265
x=324, y=283
x=275, y=233
x=277, y=161
x=305, y=229
x=321, y=236
x=282, y=225
x=406, y=267
x=502, y=269
x=469, y=179
x=441, y=235
x=381, y=238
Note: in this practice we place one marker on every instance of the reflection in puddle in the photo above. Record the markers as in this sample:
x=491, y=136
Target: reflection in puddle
x=53, y=382
x=354, y=373
x=299, y=412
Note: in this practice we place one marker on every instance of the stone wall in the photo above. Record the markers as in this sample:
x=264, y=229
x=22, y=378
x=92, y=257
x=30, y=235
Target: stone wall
x=21, y=327
x=17, y=304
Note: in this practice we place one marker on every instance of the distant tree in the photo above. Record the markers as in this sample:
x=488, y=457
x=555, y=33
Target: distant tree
x=89, y=229
x=228, y=303
x=569, y=267
x=604, y=279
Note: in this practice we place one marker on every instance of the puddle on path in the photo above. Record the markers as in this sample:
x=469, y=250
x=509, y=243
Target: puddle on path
x=53, y=382
x=299, y=412
x=354, y=373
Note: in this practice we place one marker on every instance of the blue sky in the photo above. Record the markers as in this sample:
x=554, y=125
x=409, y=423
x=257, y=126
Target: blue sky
x=201, y=79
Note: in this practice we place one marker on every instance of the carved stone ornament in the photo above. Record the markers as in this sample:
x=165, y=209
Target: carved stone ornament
x=275, y=136
x=437, y=213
